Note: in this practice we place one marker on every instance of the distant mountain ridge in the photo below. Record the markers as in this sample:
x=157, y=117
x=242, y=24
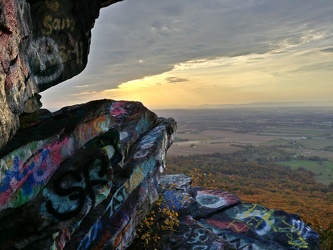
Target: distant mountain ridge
x=247, y=105
x=266, y=104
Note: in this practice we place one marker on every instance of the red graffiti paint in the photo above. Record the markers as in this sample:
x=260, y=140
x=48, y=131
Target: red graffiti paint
x=237, y=227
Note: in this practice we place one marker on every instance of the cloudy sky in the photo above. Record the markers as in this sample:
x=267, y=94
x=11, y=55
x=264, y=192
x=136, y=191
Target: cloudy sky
x=182, y=53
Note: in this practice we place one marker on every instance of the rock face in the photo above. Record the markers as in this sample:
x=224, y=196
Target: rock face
x=83, y=178
x=211, y=219
x=43, y=42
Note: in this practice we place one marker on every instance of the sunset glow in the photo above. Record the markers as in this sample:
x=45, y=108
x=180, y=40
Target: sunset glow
x=289, y=62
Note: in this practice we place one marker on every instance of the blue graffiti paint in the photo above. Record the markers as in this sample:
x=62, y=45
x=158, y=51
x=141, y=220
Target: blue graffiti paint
x=92, y=235
x=25, y=177
x=142, y=126
x=26, y=188
x=173, y=200
x=18, y=175
x=14, y=174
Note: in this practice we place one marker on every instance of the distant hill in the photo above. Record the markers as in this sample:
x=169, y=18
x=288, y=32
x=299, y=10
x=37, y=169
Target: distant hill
x=265, y=105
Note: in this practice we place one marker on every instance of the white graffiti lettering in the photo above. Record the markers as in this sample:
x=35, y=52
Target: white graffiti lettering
x=45, y=63
x=301, y=228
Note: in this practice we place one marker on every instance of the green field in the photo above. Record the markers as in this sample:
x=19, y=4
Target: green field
x=275, y=133
x=294, y=131
x=329, y=148
x=328, y=165
x=323, y=173
x=314, y=143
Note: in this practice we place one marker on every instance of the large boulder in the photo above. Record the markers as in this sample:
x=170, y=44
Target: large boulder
x=81, y=177
x=42, y=43
x=216, y=219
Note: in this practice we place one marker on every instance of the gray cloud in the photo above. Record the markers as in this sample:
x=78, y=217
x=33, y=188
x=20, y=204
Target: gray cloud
x=315, y=66
x=162, y=33
x=328, y=50
x=176, y=79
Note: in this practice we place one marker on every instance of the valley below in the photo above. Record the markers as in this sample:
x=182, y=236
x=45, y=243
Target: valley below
x=281, y=158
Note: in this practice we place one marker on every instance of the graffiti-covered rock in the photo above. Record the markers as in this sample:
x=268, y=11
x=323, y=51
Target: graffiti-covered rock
x=216, y=219
x=60, y=39
x=42, y=44
x=84, y=176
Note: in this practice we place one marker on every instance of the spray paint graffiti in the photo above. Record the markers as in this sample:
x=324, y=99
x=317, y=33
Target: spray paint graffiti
x=243, y=225
x=58, y=42
x=126, y=235
x=267, y=222
x=119, y=229
x=258, y=222
x=197, y=237
x=191, y=235
x=302, y=229
x=119, y=197
x=33, y=172
x=262, y=222
x=25, y=171
x=240, y=245
x=92, y=235
x=150, y=141
x=76, y=50
x=72, y=195
x=140, y=185
x=209, y=200
x=73, y=189
x=52, y=24
x=45, y=63
x=131, y=184
x=118, y=109
x=110, y=143
x=237, y=227
x=56, y=20
x=175, y=181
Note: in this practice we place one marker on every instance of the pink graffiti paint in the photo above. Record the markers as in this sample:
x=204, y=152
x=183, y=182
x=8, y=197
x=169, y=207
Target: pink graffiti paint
x=63, y=237
x=117, y=108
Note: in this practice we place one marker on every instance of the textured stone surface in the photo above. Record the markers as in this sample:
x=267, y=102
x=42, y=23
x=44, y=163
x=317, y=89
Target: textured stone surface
x=211, y=219
x=17, y=92
x=83, y=178
x=42, y=43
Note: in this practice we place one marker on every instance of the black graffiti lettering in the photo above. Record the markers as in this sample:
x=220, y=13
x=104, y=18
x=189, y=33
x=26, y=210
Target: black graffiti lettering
x=110, y=137
x=77, y=187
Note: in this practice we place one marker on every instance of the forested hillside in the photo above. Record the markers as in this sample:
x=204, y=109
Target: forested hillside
x=260, y=181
